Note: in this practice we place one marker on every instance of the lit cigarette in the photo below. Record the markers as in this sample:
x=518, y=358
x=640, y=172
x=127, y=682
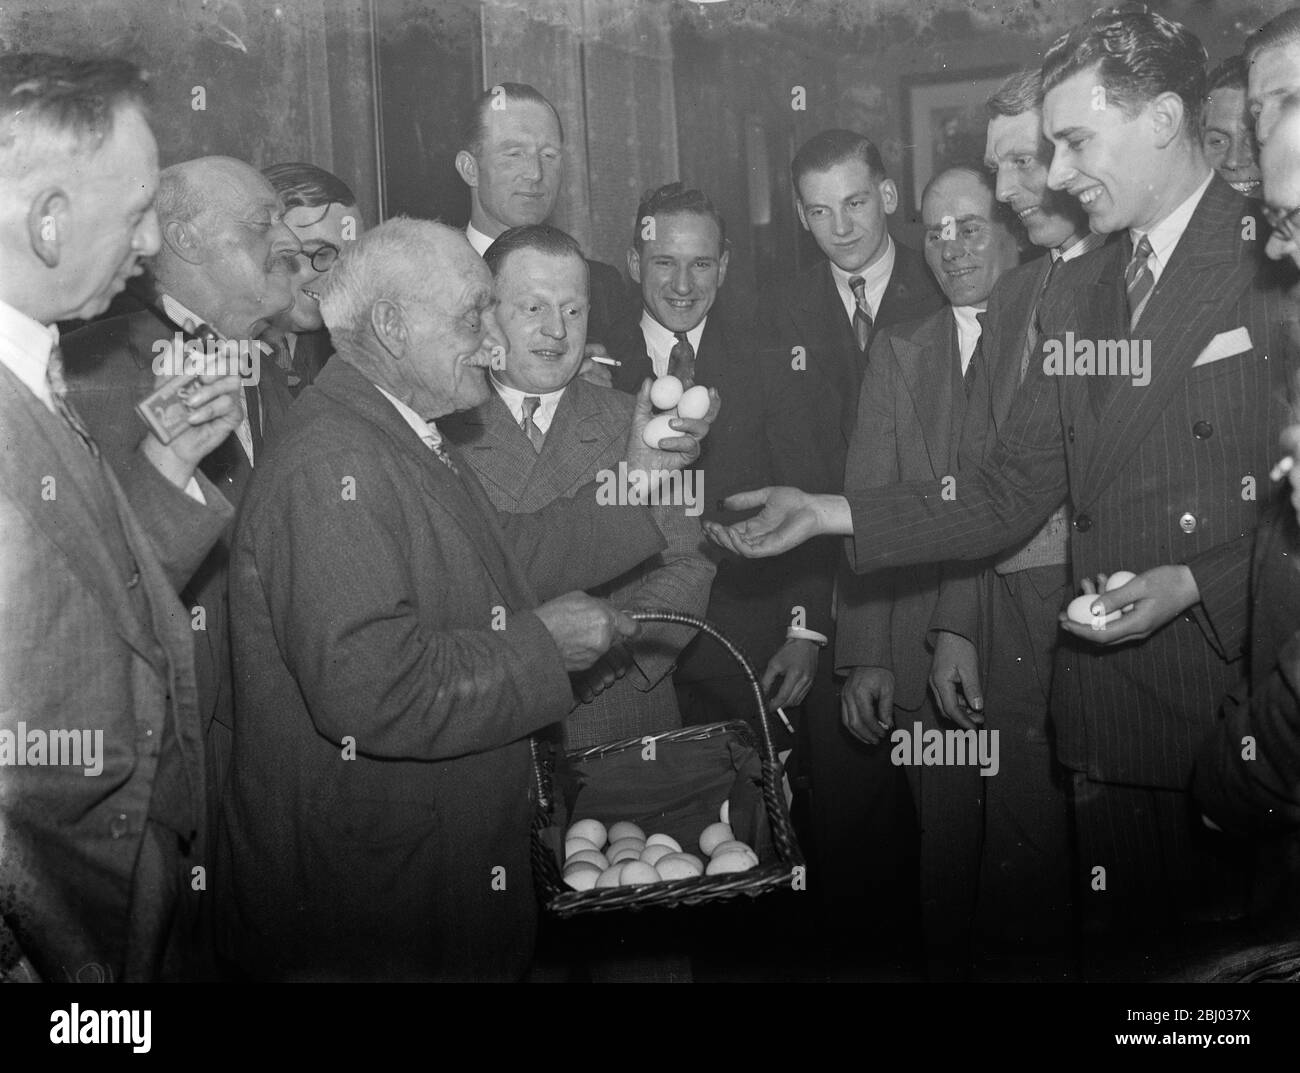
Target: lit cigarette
x=606, y=361
x=1283, y=467
x=785, y=719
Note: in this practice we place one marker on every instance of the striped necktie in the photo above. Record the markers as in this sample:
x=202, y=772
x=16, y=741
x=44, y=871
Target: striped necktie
x=59, y=394
x=535, y=435
x=440, y=452
x=862, y=320
x=1138, y=280
x=1034, y=335
x=681, y=360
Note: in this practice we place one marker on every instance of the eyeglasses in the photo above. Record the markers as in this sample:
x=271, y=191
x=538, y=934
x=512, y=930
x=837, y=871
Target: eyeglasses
x=323, y=257
x=1283, y=222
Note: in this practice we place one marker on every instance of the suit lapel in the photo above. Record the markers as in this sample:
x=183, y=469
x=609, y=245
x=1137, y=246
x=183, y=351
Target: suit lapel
x=80, y=509
x=574, y=443
x=1209, y=269
x=929, y=366
x=501, y=453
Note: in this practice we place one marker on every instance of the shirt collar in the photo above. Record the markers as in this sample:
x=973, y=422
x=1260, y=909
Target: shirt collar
x=478, y=240
x=25, y=346
x=181, y=314
x=660, y=341
x=422, y=428
x=1086, y=244
x=514, y=399
x=1165, y=235
x=875, y=275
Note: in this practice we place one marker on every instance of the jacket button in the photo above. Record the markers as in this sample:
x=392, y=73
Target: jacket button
x=1083, y=523
x=1069, y=433
x=1202, y=430
x=117, y=826
x=1187, y=523
x=133, y=580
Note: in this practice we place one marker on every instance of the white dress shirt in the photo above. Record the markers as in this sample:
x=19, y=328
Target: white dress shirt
x=478, y=240
x=968, y=331
x=514, y=400
x=25, y=347
x=875, y=275
x=659, y=341
x=1166, y=234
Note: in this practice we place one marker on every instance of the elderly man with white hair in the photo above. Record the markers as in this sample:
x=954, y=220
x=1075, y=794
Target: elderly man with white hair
x=399, y=640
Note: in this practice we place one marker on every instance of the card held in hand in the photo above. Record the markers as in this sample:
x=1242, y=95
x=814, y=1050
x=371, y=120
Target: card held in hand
x=165, y=411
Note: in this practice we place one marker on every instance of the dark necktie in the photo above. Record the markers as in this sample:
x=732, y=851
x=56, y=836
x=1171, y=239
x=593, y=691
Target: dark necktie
x=253, y=402
x=1139, y=279
x=968, y=378
x=535, y=435
x=1034, y=334
x=681, y=360
x=59, y=393
x=862, y=322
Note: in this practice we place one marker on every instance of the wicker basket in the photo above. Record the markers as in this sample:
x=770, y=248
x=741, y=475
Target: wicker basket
x=775, y=873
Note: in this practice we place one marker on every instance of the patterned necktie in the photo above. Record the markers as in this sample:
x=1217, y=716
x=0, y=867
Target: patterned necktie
x=59, y=393
x=535, y=435
x=1034, y=335
x=681, y=360
x=1139, y=279
x=862, y=321
x=440, y=452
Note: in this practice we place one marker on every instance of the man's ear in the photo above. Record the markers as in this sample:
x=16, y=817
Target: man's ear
x=723, y=261
x=389, y=325
x=798, y=207
x=182, y=240
x=467, y=168
x=634, y=264
x=1167, y=113
x=889, y=196
x=45, y=218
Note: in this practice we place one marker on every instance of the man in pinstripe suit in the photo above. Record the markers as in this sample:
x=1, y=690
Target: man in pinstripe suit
x=544, y=433
x=1160, y=473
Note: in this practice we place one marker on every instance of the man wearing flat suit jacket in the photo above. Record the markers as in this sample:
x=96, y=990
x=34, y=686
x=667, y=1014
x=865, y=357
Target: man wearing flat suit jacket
x=814, y=339
x=546, y=433
x=913, y=402
x=216, y=270
x=679, y=257
x=1159, y=462
x=394, y=653
x=95, y=873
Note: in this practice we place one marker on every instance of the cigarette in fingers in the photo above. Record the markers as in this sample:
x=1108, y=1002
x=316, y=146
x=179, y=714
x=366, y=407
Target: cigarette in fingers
x=785, y=720
x=599, y=360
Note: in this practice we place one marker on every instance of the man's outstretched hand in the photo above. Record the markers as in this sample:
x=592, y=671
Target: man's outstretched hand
x=788, y=518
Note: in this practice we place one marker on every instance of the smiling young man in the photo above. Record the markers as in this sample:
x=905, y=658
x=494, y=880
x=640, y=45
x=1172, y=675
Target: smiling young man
x=1158, y=474
x=1227, y=133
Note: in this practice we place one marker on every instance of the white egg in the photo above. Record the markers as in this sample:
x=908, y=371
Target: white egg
x=581, y=876
x=713, y=836
x=724, y=813
x=609, y=877
x=625, y=829
x=730, y=862
x=664, y=840
x=665, y=392
x=637, y=844
x=680, y=866
x=1080, y=611
x=1119, y=578
x=657, y=430
x=589, y=856
x=637, y=873
x=627, y=853
x=733, y=847
x=694, y=402
x=592, y=830
x=653, y=854
x=572, y=845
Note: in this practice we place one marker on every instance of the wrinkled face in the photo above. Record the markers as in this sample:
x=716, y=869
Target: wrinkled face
x=1273, y=77
x=1103, y=157
x=680, y=269
x=1280, y=158
x=249, y=252
x=450, y=335
x=105, y=223
x=521, y=164
x=966, y=249
x=1229, y=141
x=1017, y=154
x=316, y=228
x=542, y=311
x=846, y=209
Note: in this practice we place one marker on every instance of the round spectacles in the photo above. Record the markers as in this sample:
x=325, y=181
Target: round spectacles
x=323, y=257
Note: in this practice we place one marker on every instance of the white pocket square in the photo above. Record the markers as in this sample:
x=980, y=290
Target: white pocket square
x=1224, y=345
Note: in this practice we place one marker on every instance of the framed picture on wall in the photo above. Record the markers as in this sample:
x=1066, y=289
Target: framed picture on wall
x=944, y=121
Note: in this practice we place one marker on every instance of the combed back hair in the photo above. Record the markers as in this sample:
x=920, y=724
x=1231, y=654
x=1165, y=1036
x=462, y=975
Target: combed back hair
x=540, y=237
x=473, y=128
x=1230, y=74
x=1283, y=29
x=1140, y=54
x=1002, y=213
x=395, y=260
x=823, y=151
x=177, y=198
x=47, y=100
x=305, y=185
x=1019, y=93
x=676, y=199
